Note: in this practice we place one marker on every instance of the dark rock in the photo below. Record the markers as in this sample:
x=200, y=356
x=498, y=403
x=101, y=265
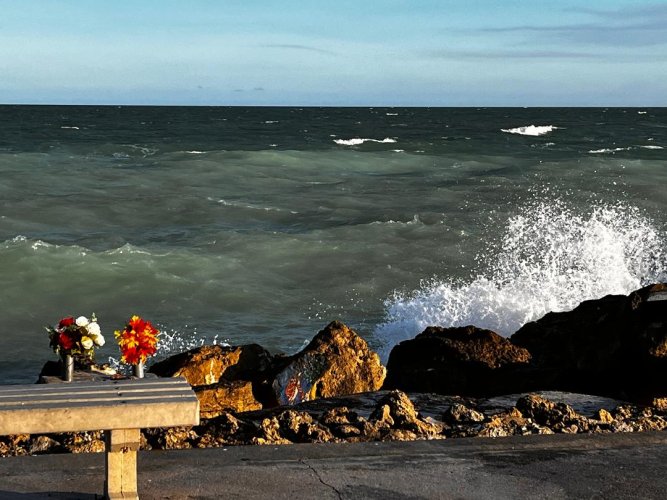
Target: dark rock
x=465, y=361
x=336, y=362
x=614, y=346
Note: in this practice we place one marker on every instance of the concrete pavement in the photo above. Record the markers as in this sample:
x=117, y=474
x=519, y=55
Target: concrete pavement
x=560, y=466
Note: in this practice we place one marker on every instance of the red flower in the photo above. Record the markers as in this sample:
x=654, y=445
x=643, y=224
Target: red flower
x=137, y=341
x=65, y=322
x=66, y=342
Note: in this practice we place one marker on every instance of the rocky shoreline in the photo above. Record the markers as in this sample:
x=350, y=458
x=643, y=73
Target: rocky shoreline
x=336, y=389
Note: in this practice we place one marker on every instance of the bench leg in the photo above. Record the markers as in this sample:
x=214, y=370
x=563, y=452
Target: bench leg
x=121, y=463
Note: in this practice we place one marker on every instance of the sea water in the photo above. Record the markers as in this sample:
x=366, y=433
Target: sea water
x=238, y=225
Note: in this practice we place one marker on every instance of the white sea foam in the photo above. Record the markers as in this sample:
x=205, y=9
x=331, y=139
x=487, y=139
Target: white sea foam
x=641, y=112
x=651, y=147
x=550, y=258
x=357, y=141
x=608, y=150
x=391, y=114
x=195, y=152
x=70, y=128
x=533, y=130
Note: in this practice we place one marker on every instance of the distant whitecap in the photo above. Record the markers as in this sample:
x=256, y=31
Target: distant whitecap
x=532, y=130
x=357, y=141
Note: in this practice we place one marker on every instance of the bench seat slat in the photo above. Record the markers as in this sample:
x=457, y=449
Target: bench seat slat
x=90, y=396
x=82, y=387
x=92, y=401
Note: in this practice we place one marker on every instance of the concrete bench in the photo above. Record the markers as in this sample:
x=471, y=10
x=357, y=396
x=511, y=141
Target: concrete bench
x=120, y=408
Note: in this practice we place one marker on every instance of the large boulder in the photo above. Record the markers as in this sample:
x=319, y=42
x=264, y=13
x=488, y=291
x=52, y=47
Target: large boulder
x=466, y=361
x=335, y=363
x=207, y=364
x=614, y=346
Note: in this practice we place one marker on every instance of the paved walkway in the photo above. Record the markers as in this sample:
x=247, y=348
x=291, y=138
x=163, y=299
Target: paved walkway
x=586, y=466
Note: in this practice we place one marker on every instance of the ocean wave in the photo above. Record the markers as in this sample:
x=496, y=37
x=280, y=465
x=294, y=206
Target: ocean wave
x=69, y=127
x=414, y=221
x=532, y=130
x=358, y=141
x=249, y=206
x=651, y=147
x=608, y=150
x=195, y=152
x=550, y=258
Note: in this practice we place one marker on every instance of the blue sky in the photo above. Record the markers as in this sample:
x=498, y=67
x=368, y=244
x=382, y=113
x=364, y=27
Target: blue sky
x=343, y=52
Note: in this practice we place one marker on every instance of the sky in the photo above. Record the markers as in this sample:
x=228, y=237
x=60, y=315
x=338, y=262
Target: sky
x=334, y=53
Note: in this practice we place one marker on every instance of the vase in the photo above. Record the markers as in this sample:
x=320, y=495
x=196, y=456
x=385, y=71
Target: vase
x=68, y=367
x=139, y=370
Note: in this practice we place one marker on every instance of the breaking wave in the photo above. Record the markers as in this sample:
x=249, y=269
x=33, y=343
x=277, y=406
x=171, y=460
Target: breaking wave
x=357, y=141
x=533, y=130
x=550, y=258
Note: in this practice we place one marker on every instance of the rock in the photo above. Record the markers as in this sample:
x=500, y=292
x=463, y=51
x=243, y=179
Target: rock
x=226, y=429
x=82, y=442
x=207, y=364
x=300, y=427
x=292, y=426
x=614, y=346
x=43, y=444
x=461, y=414
x=336, y=362
x=604, y=416
x=660, y=404
x=510, y=423
x=172, y=438
x=559, y=417
x=466, y=361
x=224, y=396
x=395, y=412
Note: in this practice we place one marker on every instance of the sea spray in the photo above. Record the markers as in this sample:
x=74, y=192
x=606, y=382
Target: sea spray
x=550, y=258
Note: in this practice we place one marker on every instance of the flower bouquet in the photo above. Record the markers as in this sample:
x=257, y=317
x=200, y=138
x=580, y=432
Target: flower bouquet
x=75, y=341
x=137, y=341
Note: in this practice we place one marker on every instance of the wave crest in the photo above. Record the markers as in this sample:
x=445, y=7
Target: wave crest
x=532, y=130
x=357, y=141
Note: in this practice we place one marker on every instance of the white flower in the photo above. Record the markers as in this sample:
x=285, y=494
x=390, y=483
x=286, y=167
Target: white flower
x=93, y=329
x=86, y=342
x=82, y=321
x=98, y=339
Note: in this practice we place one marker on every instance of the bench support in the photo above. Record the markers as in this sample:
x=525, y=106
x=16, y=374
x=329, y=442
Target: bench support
x=121, y=463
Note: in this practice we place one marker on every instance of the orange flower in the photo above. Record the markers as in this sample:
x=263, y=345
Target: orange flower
x=137, y=341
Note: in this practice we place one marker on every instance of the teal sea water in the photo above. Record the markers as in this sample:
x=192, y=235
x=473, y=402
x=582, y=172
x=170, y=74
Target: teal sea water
x=239, y=225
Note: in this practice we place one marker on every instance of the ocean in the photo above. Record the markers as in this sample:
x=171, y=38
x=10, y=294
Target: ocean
x=262, y=225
